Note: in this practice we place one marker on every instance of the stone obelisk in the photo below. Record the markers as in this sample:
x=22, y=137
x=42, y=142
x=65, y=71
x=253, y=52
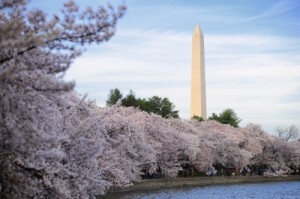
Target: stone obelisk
x=198, y=93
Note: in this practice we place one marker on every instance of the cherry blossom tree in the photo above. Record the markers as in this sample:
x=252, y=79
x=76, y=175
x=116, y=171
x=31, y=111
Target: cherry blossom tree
x=277, y=154
x=200, y=154
x=85, y=147
x=270, y=151
x=128, y=142
x=141, y=140
x=35, y=52
x=223, y=143
x=146, y=140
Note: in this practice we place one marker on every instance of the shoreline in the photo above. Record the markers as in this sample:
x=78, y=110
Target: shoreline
x=159, y=184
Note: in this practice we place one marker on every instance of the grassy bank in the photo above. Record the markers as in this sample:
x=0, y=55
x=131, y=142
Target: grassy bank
x=155, y=184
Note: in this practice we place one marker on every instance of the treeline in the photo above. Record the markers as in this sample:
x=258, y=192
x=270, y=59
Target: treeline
x=157, y=105
x=165, y=108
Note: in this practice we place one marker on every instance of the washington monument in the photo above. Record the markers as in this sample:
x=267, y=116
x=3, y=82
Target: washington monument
x=198, y=93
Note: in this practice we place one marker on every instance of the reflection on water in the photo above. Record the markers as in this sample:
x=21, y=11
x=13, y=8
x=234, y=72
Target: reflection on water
x=277, y=190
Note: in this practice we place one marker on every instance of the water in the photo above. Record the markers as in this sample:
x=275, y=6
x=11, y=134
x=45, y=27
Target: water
x=276, y=190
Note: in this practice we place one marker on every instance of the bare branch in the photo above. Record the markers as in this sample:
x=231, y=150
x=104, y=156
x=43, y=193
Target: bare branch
x=288, y=132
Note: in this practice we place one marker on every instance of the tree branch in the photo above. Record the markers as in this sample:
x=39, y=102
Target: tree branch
x=19, y=53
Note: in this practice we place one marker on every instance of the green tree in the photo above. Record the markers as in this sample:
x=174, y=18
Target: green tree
x=113, y=96
x=161, y=106
x=130, y=100
x=228, y=116
x=155, y=104
x=214, y=117
x=198, y=118
x=167, y=109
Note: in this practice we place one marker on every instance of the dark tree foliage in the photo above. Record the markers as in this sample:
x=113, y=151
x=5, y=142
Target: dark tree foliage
x=113, y=97
x=198, y=118
x=130, y=100
x=228, y=116
x=161, y=106
x=155, y=104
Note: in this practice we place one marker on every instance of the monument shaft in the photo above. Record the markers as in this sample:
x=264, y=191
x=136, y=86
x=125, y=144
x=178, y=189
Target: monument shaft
x=198, y=91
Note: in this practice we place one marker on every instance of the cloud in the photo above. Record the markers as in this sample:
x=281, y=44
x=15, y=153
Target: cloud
x=278, y=8
x=253, y=74
x=256, y=75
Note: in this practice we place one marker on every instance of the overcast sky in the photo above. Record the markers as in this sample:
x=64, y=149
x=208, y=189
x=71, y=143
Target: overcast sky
x=252, y=52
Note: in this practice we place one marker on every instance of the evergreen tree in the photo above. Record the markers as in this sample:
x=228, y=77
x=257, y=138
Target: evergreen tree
x=228, y=116
x=113, y=97
x=155, y=104
x=130, y=100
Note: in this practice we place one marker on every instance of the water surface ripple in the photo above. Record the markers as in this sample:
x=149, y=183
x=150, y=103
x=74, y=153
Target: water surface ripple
x=274, y=190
